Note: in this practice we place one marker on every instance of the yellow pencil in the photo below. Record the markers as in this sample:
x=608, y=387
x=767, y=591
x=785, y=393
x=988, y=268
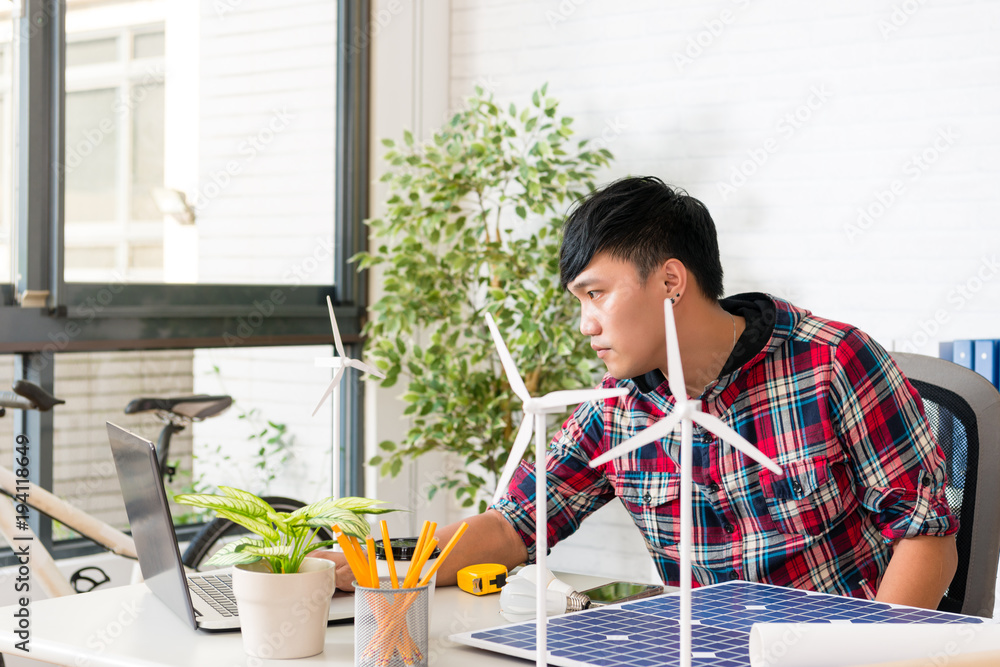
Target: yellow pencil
x=387, y=546
x=417, y=549
x=414, y=574
x=351, y=556
x=372, y=566
x=444, y=553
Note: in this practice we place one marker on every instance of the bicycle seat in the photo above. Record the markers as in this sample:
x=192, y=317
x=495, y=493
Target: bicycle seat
x=42, y=399
x=191, y=407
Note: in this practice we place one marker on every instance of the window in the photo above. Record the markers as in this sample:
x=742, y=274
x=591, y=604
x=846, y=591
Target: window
x=208, y=212
x=114, y=150
x=6, y=148
x=233, y=184
x=266, y=442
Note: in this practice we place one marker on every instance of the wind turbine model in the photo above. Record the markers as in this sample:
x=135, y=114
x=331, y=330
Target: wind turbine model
x=685, y=412
x=340, y=362
x=535, y=410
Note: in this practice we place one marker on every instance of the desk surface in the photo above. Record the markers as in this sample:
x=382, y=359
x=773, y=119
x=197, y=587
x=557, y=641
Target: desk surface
x=129, y=627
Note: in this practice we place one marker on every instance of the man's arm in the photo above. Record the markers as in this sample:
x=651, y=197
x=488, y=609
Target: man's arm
x=920, y=570
x=488, y=539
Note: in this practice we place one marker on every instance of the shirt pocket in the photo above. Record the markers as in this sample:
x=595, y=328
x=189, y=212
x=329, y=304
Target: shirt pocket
x=806, y=500
x=651, y=499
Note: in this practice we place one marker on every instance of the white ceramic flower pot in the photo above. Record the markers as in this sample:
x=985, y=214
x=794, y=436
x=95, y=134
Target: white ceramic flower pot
x=284, y=615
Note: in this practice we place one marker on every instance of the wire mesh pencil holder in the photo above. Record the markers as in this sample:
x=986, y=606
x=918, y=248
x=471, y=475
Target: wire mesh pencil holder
x=390, y=625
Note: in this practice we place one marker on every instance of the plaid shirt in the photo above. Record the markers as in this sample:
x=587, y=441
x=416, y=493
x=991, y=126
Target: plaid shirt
x=824, y=401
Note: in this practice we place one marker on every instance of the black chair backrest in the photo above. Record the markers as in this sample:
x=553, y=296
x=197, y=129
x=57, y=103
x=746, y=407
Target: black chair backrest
x=963, y=410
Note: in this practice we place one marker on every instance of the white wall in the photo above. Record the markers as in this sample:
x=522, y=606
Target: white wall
x=837, y=100
x=409, y=84
x=847, y=151
x=264, y=196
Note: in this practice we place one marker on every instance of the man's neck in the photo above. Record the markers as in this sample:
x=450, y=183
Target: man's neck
x=706, y=334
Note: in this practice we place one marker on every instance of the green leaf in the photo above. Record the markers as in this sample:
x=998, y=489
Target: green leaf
x=213, y=502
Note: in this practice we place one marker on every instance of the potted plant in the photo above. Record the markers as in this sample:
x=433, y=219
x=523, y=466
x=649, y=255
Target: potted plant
x=472, y=223
x=283, y=597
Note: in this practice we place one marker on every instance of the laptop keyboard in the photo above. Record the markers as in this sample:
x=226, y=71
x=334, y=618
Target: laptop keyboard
x=216, y=591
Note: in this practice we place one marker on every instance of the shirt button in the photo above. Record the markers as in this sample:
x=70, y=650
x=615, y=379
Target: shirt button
x=713, y=488
x=646, y=498
x=796, y=487
x=729, y=528
x=734, y=575
x=926, y=481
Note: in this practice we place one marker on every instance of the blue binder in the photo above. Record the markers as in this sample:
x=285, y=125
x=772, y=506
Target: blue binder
x=986, y=360
x=962, y=353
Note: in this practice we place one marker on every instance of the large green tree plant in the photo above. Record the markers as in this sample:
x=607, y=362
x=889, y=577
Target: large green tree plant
x=472, y=224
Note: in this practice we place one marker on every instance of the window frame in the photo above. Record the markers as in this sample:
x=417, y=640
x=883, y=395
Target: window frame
x=40, y=314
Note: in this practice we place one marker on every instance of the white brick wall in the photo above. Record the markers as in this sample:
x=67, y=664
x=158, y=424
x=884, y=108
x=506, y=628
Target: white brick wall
x=810, y=111
x=266, y=122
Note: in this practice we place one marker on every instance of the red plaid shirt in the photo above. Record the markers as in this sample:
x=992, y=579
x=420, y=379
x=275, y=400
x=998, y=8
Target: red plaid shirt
x=821, y=399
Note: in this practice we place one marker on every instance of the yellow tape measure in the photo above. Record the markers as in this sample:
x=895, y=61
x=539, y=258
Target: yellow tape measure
x=482, y=579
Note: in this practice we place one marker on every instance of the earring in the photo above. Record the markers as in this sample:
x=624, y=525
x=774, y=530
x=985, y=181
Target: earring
x=672, y=298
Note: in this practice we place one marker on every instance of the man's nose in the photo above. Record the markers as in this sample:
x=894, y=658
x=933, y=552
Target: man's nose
x=588, y=324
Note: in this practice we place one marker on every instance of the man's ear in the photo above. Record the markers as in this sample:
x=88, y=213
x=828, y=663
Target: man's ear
x=673, y=277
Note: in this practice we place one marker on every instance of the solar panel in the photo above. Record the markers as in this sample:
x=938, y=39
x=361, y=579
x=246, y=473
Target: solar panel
x=646, y=632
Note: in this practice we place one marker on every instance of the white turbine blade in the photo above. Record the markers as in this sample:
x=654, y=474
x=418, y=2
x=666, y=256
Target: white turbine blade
x=675, y=372
x=336, y=329
x=509, y=367
x=574, y=396
x=329, y=390
x=516, y=454
x=330, y=362
x=650, y=434
x=364, y=368
x=719, y=428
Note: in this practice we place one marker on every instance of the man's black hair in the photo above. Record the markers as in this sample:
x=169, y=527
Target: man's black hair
x=643, y=221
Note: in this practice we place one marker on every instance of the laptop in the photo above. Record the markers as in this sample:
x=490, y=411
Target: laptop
x=202, y=599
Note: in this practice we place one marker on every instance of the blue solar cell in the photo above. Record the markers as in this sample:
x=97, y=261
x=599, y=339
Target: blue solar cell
x=653, y=632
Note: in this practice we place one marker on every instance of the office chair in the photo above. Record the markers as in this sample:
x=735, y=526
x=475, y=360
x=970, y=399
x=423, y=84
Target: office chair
x=963, y=409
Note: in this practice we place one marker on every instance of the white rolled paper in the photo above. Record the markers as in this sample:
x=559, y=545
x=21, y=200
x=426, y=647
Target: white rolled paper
x=849, y=644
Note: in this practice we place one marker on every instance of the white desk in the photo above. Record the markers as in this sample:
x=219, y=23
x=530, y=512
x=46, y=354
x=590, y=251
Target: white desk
x=129, y=627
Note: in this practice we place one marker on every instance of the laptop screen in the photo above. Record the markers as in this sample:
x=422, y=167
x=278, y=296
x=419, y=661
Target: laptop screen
x=151, y=523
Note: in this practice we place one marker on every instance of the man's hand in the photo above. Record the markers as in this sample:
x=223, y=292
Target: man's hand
x=489, y=539
x=919, y=572
x=345, y=577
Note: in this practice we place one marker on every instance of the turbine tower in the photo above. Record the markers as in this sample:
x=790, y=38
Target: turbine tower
x=535, y=410
x=684, y=413
x=341, y=363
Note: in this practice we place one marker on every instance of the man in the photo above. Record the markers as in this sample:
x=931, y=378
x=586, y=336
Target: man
x=860, y=510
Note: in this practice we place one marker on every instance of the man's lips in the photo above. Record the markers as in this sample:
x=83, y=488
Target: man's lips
x=601, y=351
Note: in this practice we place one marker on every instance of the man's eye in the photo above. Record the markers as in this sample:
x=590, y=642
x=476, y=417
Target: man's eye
x=591, y=294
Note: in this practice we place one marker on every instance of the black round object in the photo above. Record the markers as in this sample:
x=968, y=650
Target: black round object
x=403, y=548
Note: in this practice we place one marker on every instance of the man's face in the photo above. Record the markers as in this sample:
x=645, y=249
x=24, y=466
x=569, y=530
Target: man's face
x=622, y=316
